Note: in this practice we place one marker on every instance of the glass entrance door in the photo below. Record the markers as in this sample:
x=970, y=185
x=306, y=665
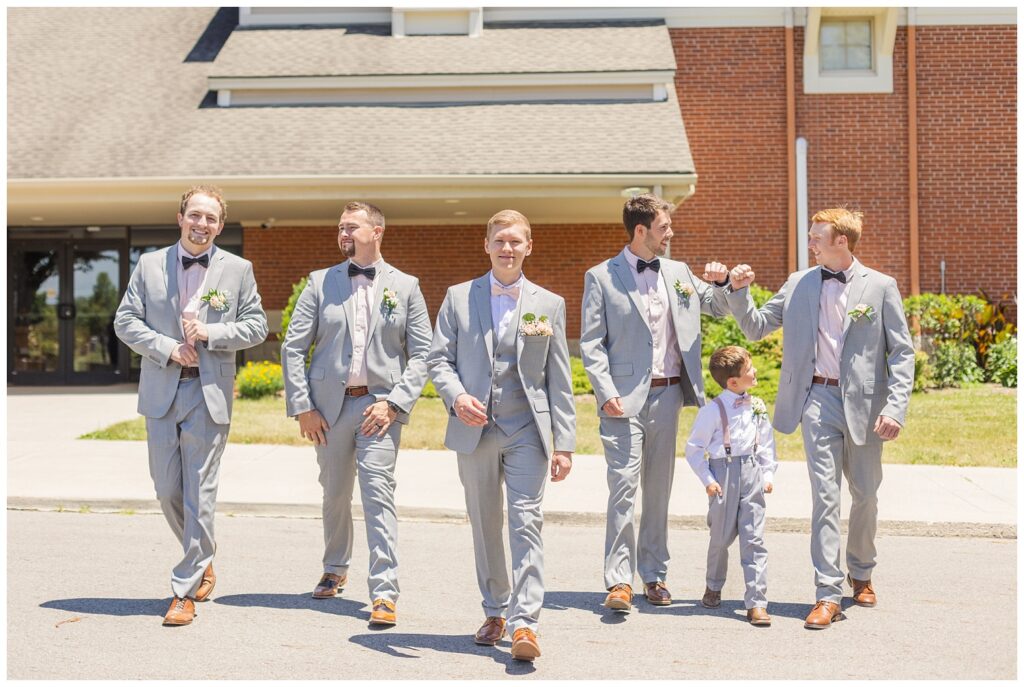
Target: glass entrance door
x=34, y=331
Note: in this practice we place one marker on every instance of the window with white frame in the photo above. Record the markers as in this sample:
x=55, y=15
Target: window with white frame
x=846, y=45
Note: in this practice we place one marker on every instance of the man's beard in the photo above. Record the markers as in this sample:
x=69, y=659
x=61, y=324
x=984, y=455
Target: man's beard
x=349, y=249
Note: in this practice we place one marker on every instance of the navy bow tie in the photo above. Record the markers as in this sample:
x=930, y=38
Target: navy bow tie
x=838, y=276
x=187, y=262
x=354, y=271
x=653, y=264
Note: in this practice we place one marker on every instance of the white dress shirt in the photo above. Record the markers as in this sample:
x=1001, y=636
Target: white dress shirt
x=706, y=437
x=190, y=285
x=832, y=307
x=362, y=292
x=503, y=308
x=654, y=294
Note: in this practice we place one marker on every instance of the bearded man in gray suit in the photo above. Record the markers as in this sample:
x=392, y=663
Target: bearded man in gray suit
x=847, y=373
x=187, y=309
x=640, y=343
x=369, y=325
x=500, y=362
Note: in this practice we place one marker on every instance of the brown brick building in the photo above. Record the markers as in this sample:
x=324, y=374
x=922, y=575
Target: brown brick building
x=749, y=118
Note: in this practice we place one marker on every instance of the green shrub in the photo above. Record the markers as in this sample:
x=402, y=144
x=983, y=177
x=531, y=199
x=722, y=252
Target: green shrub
x=719, y=332
x=767, y=379
x=429, y=391
x=922, y=371
x=1001, y=363
x=286, y=314
x=955, y=364
x=946, y=318
x=580, y=381
x=257, y=380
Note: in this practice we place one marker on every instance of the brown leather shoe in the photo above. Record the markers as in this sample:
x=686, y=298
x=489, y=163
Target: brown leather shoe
x=329, y=585
x=759, y=616
x=657, y=594
x=524, y=645
x=863, y=592
x=822, y=615
x=207, y=585
x=491, y=632
x=181, y=612
x=383, y=613
x=711, y=598
x=620, y=598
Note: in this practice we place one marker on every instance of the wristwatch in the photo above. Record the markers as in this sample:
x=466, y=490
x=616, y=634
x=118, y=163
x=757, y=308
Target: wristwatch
x=395, y=407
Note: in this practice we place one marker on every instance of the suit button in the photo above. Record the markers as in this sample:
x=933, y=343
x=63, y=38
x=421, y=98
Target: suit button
x=648, y=370
x=650, y=343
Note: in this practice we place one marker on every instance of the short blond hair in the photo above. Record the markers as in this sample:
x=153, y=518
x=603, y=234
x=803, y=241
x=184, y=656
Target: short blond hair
x=508, y=218
x=212, y=192
x=728, y=362
x=844, y=222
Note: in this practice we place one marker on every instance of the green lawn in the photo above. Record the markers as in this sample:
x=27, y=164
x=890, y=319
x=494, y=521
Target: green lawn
x=975, y=426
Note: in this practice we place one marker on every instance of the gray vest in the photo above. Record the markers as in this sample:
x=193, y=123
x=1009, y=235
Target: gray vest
x=509, y=406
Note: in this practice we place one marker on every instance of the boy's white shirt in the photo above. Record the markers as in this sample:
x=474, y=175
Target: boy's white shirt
x=706, y=436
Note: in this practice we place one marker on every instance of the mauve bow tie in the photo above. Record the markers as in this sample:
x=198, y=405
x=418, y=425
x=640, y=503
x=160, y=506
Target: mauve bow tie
x=653, y=264
x=510, y=291
x=203, y=260
x=741, y=401
x=838, y=276
x=354, y=271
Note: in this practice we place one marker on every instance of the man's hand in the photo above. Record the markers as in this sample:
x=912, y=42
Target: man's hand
x=741, y=275
x=715, y=272
x=887, y=428
x=713, y=489
x=379, y=417
x=470, y=410
x=185, y=355
x=313, y=426
x=613, y=407
x=561, y=464
x=767, y=487
x=195, y=330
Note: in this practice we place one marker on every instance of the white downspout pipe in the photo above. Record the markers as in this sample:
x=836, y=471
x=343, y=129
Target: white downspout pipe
x=801, y=203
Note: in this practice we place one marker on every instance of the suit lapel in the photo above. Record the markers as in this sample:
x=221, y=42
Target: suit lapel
x=858, y=283
x=622, y=272
x=812, y=287
x=343, y=287
x=213, y=275
x=171, y=272
x=480, y=299
x=669, y=277
x=527, y=303
x=384, y=280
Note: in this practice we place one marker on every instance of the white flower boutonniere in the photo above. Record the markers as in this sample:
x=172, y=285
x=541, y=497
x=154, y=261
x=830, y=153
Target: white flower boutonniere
x=218, y=300
x=758, y=407
x=535, y=326
x=860, y=311
x=389, y=301
x=684, y=290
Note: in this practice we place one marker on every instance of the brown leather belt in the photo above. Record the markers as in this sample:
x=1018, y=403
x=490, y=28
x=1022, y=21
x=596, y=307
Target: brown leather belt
x=189, y=373
x=664, y=381
x=357, y=391
x=824, y=380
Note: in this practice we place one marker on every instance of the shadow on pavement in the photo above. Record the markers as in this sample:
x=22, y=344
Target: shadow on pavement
x=335, y=606
x=589, y=601
x=408, y=646
x=120, y=607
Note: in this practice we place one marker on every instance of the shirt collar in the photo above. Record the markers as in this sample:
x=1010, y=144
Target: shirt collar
x=495, y=282
x=182, y=253
x=848, y=272
x=376, y=264
x=730, y=396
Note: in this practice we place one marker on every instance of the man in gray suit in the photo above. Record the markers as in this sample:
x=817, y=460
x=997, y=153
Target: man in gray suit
x=187, y=310
x=847, y=374
x=500, y=362
x=369, y=325
x=640, y=343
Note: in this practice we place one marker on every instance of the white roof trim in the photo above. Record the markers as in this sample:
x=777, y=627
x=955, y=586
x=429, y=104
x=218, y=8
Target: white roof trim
x=399, y=81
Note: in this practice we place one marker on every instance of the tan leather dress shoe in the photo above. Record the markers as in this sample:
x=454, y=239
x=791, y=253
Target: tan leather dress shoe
x=524, y=645
x=329, y=585
x=657, y=594
x=383, y=613
x=759, y=616
x=491, y=632
x=181, y=612
x=711, y=598
x=620, y=597
x=863, y=592
x=823, y=615
x=207, y=585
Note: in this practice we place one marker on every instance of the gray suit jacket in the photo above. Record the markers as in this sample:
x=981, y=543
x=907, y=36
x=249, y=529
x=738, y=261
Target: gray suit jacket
x=461, y=359
x=616, y=342
x=396, y=346
x=148, y=321
x=876, y=366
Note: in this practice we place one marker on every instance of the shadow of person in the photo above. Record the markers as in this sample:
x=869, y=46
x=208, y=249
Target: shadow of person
x=584, y=601
x=409, y=645
x=730, y=608
x=118, y=607
x=302, y=602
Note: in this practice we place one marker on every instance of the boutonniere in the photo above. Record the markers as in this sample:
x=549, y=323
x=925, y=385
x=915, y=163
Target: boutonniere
x=389, y=301
x=860, y=311
x=535, y=326
x=684, y=290
x=758, y=408
x=218, y=300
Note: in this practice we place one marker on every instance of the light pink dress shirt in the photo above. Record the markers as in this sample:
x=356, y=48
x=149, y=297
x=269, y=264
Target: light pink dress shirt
x=503, y=307
x=190, y=283
x=667, y=361
x=832, y=307
x=362, y=292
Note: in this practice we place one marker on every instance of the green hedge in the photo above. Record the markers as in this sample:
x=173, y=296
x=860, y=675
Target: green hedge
x=257, y=380
x=1001, y=363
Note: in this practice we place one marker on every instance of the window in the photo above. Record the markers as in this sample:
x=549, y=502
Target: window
x=846, y=45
